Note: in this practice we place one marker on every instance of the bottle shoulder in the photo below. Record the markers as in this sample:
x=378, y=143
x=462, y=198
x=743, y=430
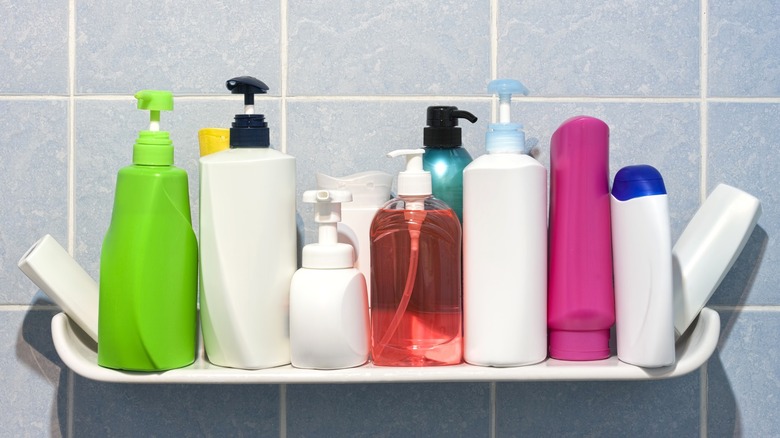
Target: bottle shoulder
x=413, y=203
x=135, y=171
x=244, y=155
x=504, y=161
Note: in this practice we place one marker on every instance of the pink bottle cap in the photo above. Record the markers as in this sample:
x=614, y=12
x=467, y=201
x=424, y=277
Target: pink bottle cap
x=579, y=345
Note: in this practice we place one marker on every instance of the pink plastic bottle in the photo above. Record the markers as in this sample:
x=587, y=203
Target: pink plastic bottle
x=581, y=302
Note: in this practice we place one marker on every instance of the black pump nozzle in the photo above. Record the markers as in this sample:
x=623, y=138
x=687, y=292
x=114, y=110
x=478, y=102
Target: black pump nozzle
x=248, y=86
x=249, y=130
x=442, y=130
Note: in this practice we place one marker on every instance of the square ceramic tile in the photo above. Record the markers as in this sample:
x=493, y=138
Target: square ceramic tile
x=109, y=409
x=588, y=48
x=389, y=410
x=743, y=376
x=34, y=381
x=340, y=138
x=181, y=46
x=388, y=47
x=744, y=152
x=599, y=409
x=743, y=48
x=34, y=178
x=34, y=47
x=104, y=148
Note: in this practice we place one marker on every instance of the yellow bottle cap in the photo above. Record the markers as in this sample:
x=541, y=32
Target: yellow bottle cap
x=213, y=140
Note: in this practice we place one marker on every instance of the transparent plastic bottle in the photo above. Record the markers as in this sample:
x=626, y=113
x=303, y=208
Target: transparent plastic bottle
x=416, y=313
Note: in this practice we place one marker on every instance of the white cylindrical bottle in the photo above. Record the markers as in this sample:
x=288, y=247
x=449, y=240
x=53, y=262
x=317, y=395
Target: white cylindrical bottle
x=642, y=265
x=505, y=247
x=248, y=245
x=328, y=301
x=53, y=270
x=370, y=190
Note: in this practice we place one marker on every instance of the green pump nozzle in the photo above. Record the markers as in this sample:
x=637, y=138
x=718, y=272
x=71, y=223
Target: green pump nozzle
x=249, y=130
x=154, y=147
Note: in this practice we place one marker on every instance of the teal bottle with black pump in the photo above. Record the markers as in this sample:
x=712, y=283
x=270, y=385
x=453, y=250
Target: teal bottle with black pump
x=444, y=157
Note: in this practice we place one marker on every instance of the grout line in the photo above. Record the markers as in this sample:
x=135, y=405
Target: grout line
x=767, y=308
x=28, y=307
x=70, y=395
x=284, y=46
x=703, y=106
x=492, y=431
x=493, y=39
x=703, y=134
x=71, y=404
x=409, y=98
x=283, y=410
x=71, y=126
x=703, y=394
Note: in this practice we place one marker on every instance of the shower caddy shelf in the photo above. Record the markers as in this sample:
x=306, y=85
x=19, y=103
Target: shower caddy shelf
x=79, y=353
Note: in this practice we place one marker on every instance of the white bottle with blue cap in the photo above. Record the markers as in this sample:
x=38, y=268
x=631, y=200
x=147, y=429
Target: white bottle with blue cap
x=642, y=266
x=505, y=246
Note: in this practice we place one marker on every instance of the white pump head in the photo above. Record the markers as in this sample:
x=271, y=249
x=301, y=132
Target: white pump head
x=327, y=253
x=414, y=181
x=504, y=136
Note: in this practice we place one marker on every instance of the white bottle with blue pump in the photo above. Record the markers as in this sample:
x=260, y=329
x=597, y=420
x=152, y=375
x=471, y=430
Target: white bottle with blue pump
x=505, y=246
x=248, y=243
x=328, y=298
x=642, y=260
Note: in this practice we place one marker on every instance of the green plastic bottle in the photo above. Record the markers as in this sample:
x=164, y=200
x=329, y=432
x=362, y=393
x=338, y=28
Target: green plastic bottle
x=147, y=319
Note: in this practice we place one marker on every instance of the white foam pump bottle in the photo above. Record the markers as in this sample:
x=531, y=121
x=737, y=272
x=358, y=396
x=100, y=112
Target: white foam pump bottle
x=328, y=299
x=505, y=246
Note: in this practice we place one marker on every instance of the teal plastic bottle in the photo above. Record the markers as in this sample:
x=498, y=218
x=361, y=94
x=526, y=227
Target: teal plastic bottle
x=445, y=158
x=147, y=319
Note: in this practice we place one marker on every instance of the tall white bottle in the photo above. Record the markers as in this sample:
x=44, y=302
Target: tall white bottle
x=370, y=190
x=505, y=247
x=328, y=299
x=642, y=266
x=247, y=243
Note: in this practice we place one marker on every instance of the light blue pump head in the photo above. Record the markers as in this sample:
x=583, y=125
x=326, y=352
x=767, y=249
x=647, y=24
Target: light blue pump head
x=505, y=136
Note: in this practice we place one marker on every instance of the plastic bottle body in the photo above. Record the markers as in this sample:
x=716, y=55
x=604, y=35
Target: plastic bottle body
x=248, y=256
x=147, y=317
x=581, y=305
x=505, y=261
x=642, y=246
x=415, y=267
x=446, y=167
x=328, y=319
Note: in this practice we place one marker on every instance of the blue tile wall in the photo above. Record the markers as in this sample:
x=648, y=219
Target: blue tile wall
x=595, y=48
x=744, y=48
x=34, y=47
x=688, y=87
x=389, y=410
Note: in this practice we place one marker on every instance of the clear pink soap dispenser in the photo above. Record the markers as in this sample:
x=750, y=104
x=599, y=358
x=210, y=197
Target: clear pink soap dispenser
x=416, y=316
x=581, y=301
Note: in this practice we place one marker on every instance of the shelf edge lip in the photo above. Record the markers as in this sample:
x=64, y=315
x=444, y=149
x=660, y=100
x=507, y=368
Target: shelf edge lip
x=707, y=332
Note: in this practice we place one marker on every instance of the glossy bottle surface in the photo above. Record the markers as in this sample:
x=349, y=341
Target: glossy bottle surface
x=148, y=273
x=505, y=260
x=248, y=256
x=446, y=166
x=581, y=303
x=430, y=330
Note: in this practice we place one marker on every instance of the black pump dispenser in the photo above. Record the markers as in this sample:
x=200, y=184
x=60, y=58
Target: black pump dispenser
x=249, y=130
x=442, y=130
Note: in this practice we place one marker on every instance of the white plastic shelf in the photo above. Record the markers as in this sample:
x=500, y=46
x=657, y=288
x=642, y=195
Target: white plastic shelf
x=79, y=353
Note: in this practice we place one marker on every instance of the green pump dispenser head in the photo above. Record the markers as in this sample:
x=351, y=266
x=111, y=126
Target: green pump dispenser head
x=154, y=147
